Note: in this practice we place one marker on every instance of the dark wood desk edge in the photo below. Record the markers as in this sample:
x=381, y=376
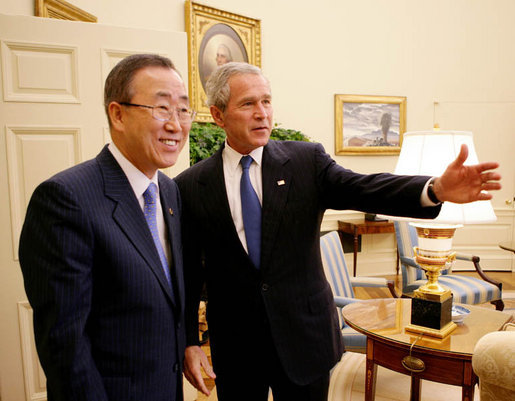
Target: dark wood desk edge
x=359, y=227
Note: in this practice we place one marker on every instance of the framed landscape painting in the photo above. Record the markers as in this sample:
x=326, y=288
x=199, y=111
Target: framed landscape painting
x=367, y=124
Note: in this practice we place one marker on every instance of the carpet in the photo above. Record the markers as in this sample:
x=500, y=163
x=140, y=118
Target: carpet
x=509, y=301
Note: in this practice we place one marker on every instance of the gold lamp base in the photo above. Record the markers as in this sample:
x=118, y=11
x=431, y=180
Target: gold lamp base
x=432, y=303
x=441, y=333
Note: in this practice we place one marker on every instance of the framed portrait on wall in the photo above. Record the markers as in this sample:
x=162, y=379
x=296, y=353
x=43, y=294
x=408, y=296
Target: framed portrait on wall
x=367, y=124
x=216, y=37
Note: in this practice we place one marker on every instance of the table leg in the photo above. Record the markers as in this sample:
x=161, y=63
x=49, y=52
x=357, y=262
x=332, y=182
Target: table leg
x=467, y=393
x=416, y=387
x=356, y=237
x=370, y=379
x=469, y=381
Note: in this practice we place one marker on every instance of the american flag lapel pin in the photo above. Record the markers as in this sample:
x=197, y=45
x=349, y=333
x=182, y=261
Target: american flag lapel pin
x=280, y=182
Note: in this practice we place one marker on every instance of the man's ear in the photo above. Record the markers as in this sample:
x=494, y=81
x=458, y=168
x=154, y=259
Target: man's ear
x=217, y=115
x=116, y=115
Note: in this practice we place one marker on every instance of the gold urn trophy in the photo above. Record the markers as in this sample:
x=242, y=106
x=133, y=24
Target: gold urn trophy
x=431, y=304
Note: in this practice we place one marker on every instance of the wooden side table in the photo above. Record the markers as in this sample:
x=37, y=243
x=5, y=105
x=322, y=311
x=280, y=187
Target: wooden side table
x=359, y=227
x=448, y=360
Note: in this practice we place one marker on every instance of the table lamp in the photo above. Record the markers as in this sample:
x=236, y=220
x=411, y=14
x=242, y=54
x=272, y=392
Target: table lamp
x=429, y=153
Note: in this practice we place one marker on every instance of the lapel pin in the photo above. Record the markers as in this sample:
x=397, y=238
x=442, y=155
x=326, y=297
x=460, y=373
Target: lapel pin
x=170, y=211
x=280, y=182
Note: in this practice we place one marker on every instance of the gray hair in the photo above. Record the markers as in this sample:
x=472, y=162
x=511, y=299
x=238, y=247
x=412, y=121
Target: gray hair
x=118, y=85
x=217, y=87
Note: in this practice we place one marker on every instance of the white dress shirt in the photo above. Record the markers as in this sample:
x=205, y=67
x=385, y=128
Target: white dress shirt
x=139, y=183
x=232, y=175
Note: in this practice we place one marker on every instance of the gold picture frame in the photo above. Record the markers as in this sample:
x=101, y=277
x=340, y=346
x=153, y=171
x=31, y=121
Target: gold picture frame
x=369, y=125
x=216, y=36
x=61, y=9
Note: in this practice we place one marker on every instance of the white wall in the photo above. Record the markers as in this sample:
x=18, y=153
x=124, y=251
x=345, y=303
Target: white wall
x=458, y=52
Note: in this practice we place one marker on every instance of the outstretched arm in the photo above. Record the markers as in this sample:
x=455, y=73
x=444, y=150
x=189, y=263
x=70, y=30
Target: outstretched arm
x=463, y=184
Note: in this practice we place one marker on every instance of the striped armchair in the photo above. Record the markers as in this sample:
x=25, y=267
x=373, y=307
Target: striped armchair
x=465, y=289
x=342, y=285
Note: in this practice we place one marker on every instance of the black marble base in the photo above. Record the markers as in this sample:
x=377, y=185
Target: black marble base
x=432, y=314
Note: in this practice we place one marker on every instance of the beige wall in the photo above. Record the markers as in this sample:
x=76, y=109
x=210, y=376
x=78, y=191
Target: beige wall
x=459, y=53
x=459, y=50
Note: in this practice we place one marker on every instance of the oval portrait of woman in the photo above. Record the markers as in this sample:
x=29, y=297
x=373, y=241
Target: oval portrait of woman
x=221, y=44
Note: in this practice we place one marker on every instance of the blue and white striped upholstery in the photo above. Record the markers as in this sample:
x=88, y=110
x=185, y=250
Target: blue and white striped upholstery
x=335, y=267
x=465, y=289
x=342, y=285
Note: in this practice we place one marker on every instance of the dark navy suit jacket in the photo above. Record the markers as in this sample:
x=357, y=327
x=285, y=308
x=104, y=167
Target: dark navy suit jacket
x=300, y=181
x=107, y=324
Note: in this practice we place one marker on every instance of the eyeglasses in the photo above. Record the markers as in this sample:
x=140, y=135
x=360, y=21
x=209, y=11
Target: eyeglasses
x=163, y=113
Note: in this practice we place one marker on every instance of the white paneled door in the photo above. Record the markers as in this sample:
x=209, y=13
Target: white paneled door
x=51, y=117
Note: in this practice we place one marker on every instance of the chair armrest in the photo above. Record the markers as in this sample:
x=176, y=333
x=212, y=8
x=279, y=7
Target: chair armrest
x=343, y=301
x=492, y=357
x=465, y=256
x=361, y=281
x=374, y=282
x=475, y=260
x=409, y=261
x=508, y=327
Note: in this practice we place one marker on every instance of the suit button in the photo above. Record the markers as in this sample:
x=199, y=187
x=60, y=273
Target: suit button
x=178, y=326
x=176, y=367
x=265, y=287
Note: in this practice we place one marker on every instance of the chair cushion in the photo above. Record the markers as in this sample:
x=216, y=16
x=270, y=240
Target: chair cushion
x=465, y=289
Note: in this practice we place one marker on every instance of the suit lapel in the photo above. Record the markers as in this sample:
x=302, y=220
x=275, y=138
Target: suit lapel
x=128, y=215
x=214, y=196
x=276, y=184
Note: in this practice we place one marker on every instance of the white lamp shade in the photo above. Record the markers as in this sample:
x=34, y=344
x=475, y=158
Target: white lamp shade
x=429, y=153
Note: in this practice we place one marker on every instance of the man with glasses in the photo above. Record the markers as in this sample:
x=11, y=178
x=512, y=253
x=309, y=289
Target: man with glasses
x=251, y=231
x=100, y=250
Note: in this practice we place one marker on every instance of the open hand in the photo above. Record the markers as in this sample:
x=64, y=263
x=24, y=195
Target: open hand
x=463, y=184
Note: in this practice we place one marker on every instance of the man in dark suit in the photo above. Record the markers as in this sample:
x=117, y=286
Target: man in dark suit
x=101, y=250
x=271, y=316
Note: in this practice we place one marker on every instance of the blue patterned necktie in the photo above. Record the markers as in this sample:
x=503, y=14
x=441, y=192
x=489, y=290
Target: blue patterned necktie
x=251, y=211
x=150, y=215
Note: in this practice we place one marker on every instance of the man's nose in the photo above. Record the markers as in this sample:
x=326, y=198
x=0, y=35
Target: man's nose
x=261, y=111
x=173, y=123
